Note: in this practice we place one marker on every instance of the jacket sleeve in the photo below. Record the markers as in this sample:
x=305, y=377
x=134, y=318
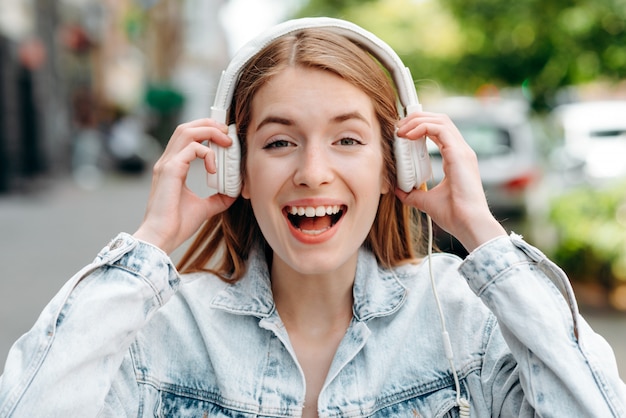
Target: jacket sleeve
x=564, y=367
x=65, y=364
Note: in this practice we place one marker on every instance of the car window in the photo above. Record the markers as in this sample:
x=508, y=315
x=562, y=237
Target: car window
x=607, y=133
x=486, y=140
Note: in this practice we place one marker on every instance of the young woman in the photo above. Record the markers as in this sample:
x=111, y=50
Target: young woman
x=307, y=294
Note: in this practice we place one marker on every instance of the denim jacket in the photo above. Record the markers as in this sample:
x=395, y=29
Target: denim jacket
x=128, y=337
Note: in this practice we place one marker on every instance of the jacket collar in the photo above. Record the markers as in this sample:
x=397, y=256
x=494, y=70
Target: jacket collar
x=377, y=292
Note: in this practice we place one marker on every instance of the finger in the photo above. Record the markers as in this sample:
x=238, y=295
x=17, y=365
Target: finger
x=218, y=203
x=198, y=135
x=417, y=114
x=415, y=198
x=195, y=151
x=183, y=130
x=204, y=122
x=210, y=165
x=195, y=138
x=443, y=133
x=177, y=164
x=421, y=130
x=416, y=118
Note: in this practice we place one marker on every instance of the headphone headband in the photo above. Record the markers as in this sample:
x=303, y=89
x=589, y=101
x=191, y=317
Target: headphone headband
x=384, y=53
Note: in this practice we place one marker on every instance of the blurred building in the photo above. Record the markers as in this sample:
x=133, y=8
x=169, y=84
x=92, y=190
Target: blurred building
x=72, y=67
x=22, y=59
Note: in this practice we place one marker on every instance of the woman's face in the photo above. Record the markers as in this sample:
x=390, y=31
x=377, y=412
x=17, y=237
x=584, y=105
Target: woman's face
x=314, y=171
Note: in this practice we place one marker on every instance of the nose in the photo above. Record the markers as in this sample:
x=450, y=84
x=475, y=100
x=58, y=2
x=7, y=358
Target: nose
x=314, y=166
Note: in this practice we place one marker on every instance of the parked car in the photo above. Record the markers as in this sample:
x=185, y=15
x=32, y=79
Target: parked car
x=594, y=138
x=501, y=134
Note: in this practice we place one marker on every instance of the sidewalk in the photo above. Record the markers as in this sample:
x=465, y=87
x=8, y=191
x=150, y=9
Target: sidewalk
x=48, y=236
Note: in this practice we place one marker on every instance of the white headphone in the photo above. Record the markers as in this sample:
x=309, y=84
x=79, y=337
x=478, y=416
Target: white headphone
x=412, y=162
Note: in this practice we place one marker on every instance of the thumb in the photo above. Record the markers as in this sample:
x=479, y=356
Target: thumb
x=415, y=198
x=217, y=203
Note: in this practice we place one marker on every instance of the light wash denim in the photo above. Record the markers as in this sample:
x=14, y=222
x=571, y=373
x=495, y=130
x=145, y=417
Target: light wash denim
x=128, y=337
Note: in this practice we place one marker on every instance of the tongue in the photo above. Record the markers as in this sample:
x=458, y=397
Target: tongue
x=314, y=224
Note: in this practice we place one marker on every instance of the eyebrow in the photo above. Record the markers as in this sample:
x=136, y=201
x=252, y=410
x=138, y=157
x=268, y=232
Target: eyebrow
x=289, y=122
x=276, y=120
x=351, y=115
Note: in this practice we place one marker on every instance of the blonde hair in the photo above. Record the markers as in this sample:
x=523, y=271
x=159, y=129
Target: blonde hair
x=223, y=244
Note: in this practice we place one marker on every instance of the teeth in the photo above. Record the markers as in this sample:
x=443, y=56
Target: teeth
x=310, y=211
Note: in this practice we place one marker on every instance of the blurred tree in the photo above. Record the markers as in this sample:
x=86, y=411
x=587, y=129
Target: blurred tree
x=538, y=46
x=330, y=7
x=425, y=35
x=544, y=45
x=590, y=223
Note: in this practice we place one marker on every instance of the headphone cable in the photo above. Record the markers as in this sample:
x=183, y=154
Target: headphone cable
x=462, y=403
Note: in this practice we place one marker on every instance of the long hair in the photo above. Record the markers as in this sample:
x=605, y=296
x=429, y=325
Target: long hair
x=224, y=242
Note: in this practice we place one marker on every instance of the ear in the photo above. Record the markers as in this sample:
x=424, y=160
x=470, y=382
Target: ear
x=386, y=180
x=244, y=189
x=385, y=187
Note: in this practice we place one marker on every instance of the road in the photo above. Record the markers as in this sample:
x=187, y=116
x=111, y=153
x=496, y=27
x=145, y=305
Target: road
x=48, y=235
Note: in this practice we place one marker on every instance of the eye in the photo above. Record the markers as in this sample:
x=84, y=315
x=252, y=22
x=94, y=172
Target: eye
x=348, y=141
x=278, y=143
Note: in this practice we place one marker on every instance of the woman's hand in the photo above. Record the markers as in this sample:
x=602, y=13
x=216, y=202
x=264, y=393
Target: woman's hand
x=458, y=203
x=174, y=213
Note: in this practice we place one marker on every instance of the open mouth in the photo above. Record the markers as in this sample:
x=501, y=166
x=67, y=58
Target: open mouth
x=314, y=220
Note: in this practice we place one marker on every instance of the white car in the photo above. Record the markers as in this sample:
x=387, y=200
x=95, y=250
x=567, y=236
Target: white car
x=501, y=134
x=595, y=134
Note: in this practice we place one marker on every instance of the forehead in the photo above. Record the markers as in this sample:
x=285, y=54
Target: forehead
x=296, y=85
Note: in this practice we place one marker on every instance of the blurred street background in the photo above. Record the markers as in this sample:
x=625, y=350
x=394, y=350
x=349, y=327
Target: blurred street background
x=91, y=90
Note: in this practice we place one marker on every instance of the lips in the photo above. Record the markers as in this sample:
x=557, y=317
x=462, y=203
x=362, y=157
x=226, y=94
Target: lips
x=314, y=220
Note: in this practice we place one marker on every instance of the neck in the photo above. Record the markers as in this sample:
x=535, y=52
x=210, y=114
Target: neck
x=317, y=303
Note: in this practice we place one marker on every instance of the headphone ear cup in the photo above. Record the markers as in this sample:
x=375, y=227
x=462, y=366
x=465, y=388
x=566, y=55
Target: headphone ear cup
x=232, y=165
x=412, y=163
x=405, y=171
x=227, y=179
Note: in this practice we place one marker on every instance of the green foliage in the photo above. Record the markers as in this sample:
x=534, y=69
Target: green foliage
x=549, y=44
x=334, y=8
x=541, y=45
x=424, y=35
x=591, y=228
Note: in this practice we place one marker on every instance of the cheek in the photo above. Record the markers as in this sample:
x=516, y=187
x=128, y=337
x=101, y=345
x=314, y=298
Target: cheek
x=260, y=180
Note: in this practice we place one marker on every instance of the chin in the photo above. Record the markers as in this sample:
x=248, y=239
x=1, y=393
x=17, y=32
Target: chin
x=317, y=262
